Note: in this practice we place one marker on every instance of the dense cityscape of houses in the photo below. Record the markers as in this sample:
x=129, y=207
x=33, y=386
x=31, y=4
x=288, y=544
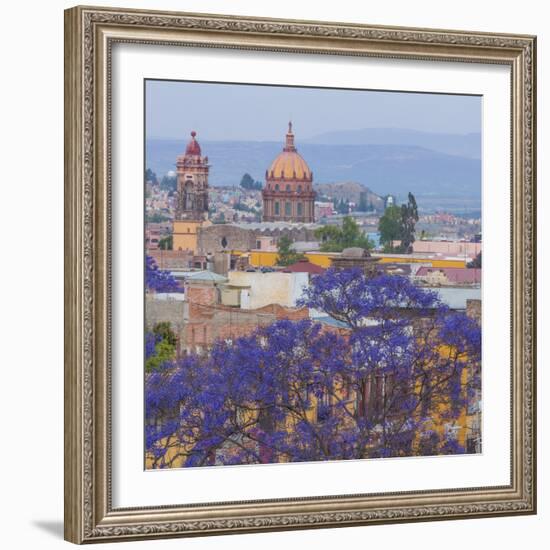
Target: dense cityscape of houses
x=223, y=246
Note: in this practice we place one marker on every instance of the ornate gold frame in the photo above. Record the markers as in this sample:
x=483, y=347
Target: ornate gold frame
x=89, y=35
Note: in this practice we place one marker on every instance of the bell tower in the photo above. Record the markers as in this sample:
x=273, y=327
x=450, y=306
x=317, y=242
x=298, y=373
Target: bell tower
x=192, y=196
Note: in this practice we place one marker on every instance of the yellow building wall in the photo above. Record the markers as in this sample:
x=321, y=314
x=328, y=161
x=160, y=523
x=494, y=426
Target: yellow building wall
x=175, y=456
x=420, y=260
x=262, y=258
x=184, y=234
x=463, y=421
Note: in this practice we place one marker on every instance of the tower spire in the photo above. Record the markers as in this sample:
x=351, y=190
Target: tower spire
x=289, y=143
x=193, y=147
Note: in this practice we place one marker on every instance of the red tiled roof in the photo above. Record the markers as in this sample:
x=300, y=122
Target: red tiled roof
x=458, y=275
x=305, y=266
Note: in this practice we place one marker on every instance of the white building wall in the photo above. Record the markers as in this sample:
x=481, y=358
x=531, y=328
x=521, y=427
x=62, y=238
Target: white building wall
x=280, y=288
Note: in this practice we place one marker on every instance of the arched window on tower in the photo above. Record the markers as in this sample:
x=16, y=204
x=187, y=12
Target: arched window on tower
x=188, y=198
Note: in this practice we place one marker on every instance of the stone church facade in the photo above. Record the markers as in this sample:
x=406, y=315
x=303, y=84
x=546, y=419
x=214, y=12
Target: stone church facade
x=217, y=238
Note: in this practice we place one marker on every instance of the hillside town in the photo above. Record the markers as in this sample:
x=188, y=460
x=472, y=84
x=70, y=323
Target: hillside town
x=241, y=259
x=232, y=228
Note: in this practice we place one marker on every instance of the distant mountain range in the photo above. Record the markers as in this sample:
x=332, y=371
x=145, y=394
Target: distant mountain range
x=462, y=145
x=389, y=168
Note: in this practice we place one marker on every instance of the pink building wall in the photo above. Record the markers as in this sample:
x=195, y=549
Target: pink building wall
x=448, y=248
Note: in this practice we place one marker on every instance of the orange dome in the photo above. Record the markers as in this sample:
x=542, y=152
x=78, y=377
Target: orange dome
x=289, y=165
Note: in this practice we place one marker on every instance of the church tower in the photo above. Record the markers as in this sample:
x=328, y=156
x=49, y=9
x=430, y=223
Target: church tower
x=192, y=196
x=288, y=194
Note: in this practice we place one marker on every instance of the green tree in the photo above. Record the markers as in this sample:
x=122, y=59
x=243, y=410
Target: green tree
x=243, y=207
x=389, y=227
x=151, y=176
x=169, y=183
x=476, y=262
x=247, y=182
x=163, y=352
x=343, y=206
x=166, y=243
x=164, y=346
x=363, y=205
x=156, y=217
x=409, y=217
x=287, y=256
x=334, y=238
x=164, y=331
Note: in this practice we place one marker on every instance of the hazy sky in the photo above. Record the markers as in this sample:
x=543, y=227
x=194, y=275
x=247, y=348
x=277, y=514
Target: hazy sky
x=249, y=112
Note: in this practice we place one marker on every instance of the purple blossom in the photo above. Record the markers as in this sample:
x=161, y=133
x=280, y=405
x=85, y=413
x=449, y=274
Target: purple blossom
x=374, y=392
x=159, y=280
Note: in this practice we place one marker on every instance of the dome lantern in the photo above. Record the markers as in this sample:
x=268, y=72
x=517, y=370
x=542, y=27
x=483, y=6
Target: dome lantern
x=289, y=164
x=289, y=144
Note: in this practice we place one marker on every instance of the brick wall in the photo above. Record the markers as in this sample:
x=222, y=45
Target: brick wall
x=159, y=311
x=281, y=312
x=239, y=238
x=211, y=239
x=207, y=323
x=171, y=259
x=201, y=294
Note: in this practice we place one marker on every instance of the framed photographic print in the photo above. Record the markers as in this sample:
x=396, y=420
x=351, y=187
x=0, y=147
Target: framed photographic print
x=300, y=274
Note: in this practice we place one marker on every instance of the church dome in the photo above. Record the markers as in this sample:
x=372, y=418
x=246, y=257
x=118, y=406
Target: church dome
x=193, y=147
x=289, y=165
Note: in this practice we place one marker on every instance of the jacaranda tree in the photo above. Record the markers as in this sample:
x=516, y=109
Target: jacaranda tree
x=159, y=280
x=384, y=385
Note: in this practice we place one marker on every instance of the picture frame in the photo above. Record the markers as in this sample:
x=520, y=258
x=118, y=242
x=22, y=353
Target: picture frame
x=90, y=36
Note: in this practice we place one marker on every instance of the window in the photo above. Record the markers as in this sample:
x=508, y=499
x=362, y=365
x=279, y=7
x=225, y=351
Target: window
x=324, y=409
x=299, y=209
x=288, y=188
x=276, y=187
x=299, y=188
x=288, y=209
x=276, y=208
